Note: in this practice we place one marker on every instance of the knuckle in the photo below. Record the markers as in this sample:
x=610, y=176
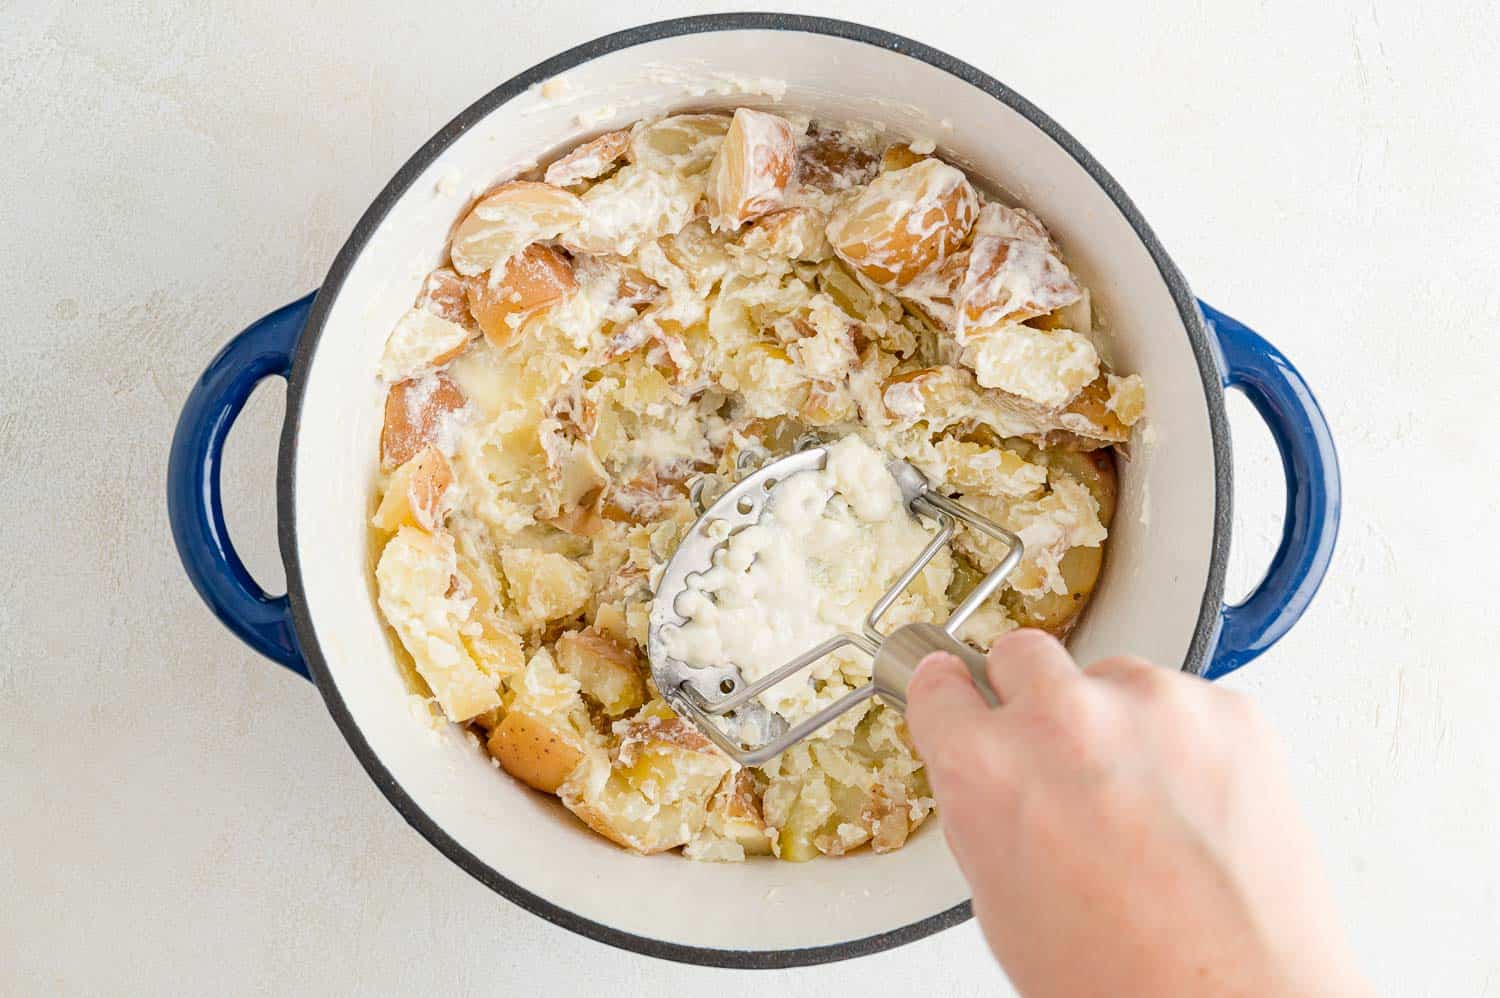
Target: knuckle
x=1120, y=665
x=1027, y=641
x=1072, y=720
x=1060, y=695
x=1157, y=684
x=1090, y=730
x=1239, y=709
x=1161, y=689
x=1134, y=673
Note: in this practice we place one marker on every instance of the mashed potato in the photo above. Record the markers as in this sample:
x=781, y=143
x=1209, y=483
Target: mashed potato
x=658, y=307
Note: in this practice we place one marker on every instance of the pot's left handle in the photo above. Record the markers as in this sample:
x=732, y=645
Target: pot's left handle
x=194, y=501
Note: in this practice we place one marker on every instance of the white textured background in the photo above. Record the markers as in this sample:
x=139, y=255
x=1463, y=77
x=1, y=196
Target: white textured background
x=179, y=816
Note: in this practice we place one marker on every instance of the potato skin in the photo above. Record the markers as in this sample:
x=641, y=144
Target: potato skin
x=607, y=671
x=1057, y=613
x=532, y=751
x=1095, y=470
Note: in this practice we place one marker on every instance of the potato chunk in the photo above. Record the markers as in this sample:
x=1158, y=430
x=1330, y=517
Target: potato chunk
x=1066, y=517
x=680, y=143
x=1013, y=272
x=1057, y=612
x=589, y=160
x=496, y=648
x=904, y=222
x=829, y=796
x=509, y=219
x=940, y=396
x=443, y=295
x=749, y=173
x=544, y=586
x=973, y=467
x=536, y=278
x=1105, y=409
x=421, y=340
x=414, y=494
x=1048, y=368
x=632, y=207
x=545, y=732
x=531, y=749
x=1127, y=397
x=604, y=669
x=735, y=828
x=415, y=577
x=1094, y=470
x=737, y=816
x=655, y=795
x=415, y=412
x=793, y=233
x=898, y=156
x=830, y=161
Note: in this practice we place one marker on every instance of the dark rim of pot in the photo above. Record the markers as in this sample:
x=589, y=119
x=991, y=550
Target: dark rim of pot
x=1204, y=633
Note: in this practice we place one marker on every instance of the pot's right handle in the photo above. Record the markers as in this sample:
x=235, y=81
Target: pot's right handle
x=1311, y=465
x=194, y=502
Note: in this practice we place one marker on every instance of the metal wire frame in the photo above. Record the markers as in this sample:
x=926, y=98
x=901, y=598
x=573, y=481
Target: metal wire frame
x=931, y=504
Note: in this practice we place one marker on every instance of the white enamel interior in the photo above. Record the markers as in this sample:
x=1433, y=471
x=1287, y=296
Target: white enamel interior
x=1147, y=603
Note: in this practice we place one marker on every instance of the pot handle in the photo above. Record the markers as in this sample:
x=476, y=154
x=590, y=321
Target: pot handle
x=1311, y=466
x=194, y=500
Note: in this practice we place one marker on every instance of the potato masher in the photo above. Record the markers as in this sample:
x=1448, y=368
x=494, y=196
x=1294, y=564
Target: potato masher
x=719, y=701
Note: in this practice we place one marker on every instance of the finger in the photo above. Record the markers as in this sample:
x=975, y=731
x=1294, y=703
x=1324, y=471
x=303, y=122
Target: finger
x=1135, y=675
x=1120, y=668
x=1024, y=661
x=943, y=705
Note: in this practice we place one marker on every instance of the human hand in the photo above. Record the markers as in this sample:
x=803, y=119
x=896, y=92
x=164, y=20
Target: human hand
x=1126, y=829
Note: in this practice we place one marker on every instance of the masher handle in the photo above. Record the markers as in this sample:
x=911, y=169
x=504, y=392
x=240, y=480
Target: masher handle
x=905, y=647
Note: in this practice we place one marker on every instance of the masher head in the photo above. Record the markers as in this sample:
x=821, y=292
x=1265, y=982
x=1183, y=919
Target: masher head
x=716, y=697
